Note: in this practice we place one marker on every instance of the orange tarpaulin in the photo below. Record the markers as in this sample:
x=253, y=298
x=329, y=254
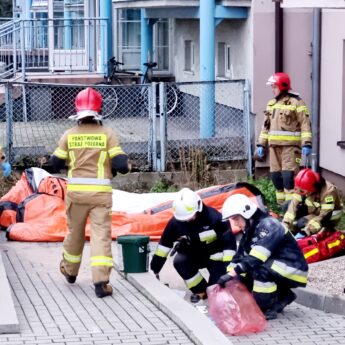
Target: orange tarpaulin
x=40, y=217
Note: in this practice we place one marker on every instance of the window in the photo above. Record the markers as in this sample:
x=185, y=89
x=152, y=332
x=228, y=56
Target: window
x=223, y=60
x=189, y=56
x=161, y=44
x=341, y=143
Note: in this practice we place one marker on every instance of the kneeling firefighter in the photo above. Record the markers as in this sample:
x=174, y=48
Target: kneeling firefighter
x=268, y=259
x=203, y=241
x=94, y=156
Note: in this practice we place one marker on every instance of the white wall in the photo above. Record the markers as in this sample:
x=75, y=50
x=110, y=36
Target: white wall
x=332, y=157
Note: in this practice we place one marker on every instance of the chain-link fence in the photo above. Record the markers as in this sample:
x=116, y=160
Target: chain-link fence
x=157, y=124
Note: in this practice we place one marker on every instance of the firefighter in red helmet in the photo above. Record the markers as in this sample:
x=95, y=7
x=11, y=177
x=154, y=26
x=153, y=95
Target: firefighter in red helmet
x=316, y=204
x=93, y=156
x=286, y=130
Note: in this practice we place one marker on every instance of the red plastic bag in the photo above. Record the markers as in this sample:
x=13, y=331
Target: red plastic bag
x=234, y=310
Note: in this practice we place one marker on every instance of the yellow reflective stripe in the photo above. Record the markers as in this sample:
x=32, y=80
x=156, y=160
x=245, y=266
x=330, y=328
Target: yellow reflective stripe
x=267, y=287
x=297, y=197
x=311, y=253
x=283, y=137
x=263, y=135
x=114, y=151
x=288, y=196
x=284, y=107
x=60, y=153
x=101, y=261
x=260, y=253
x=315, y=224
x=87, y=141
x=303, y=108
x=289, y=216
x=305, y=135
x=208, y=236
x=217, y=256
x=100, y=164
x=280, y=195
x=309, y=203
x=333, y=244
x=301, y=278
x=327, y=206
x=194, y=281
x=336, y=215
x=71, y=164
x=228, y=254
x=74, y=259
x=89, y=188
x=162, y=251
x=231, y=267
x=329, y=199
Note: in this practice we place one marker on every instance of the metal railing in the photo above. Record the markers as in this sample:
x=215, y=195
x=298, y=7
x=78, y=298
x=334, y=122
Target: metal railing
x=158, y=124
x=52, y=45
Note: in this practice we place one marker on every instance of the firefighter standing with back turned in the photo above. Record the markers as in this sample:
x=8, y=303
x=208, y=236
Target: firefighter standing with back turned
x=94, y=157
x=285, y=130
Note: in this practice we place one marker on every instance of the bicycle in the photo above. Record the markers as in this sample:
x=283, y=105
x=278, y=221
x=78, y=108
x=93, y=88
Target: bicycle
x=110, y=98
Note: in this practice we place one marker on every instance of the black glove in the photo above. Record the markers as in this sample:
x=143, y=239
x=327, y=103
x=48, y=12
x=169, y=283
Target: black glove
x=157, y=276
x=224, y=279
x=181, y=246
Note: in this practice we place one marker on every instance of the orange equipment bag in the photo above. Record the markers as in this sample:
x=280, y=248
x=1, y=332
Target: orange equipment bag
x=322, y=246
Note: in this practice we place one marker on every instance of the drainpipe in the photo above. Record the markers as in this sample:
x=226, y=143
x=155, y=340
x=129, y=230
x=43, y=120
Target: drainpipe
x=146, y=54
x=67, y=40
x=105, y=11
x=207, y=68
x=278, y=16
x=27, y=14
x=315, y=97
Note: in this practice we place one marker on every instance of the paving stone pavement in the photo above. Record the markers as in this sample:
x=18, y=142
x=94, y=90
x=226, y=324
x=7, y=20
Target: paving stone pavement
x=51, y=311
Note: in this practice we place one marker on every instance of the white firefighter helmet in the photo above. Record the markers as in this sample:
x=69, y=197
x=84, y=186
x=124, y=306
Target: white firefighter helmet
x=186, y=204
x=88, y=103
x=238, y=204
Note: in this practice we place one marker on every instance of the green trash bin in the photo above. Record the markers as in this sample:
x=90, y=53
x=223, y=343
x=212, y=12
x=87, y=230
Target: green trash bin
x=133, y=253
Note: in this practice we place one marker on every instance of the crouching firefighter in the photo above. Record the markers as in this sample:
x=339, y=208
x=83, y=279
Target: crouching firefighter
x=268, y=259
x=203, y=241
x=94, y=156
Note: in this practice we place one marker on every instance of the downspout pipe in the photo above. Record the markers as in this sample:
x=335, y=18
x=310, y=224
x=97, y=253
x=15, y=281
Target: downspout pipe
x=315, y=96
x=146, y=54
x=207, y=68
x=279, y=43
x=106, y=37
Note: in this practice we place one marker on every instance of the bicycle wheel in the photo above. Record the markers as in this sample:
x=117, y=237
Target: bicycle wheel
x=171, y=98
x=110, y=100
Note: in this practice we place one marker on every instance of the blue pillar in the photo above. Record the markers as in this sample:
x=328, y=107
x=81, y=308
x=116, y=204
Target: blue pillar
x=146, y=41
x=207, y=68
x=67, y=38
x=27, y=14
x=105, y=11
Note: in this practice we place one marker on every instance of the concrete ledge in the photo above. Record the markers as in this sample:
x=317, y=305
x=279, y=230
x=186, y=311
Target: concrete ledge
x=8, y=316
x=198, y=327
x=316, y=300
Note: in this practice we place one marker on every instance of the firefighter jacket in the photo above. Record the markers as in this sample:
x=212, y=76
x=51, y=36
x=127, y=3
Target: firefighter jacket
x=322, y=204
x=286, y=123
x=91, y=151
x=266, y=242
x=208, y=236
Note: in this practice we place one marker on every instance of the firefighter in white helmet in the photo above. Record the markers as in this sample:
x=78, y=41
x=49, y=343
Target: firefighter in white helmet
x=94, y=156
x=268, y=259
x=286, y=131
x=201, y=240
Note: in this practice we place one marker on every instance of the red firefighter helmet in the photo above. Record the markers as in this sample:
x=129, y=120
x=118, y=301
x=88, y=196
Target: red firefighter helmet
x=282, y=80
x=307, y=180
x=88, y=103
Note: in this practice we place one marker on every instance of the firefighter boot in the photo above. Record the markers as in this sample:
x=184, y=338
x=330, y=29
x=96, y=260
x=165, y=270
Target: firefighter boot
x=196, y=297
x=270, y=314
x=285, y=300
x=103, y=289
x=70, y=279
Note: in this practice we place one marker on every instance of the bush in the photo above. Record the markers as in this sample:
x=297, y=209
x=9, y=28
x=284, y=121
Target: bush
x=163, y=186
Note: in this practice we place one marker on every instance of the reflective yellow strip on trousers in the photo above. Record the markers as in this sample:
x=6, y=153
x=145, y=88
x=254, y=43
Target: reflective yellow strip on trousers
x=89, y=188
x=74, y=259
x=101, y=261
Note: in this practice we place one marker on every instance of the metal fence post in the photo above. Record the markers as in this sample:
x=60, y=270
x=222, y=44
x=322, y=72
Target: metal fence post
x=9, y=119
x=152, y=114
x=163, y=124
x=246, y=113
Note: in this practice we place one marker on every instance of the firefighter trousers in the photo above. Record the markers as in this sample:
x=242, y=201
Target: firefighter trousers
x=187, y=265
x=101, y=260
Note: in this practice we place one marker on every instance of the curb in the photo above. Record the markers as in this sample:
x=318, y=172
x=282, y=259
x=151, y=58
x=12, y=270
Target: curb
x=198, y=327
x=8, y=316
